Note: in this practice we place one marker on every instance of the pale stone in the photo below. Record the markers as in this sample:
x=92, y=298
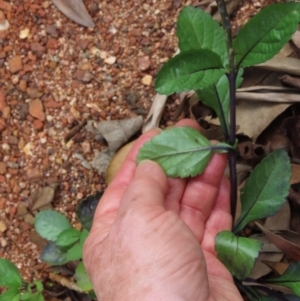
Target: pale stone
x=147, y=80
x=24, y=33
x=110, y=60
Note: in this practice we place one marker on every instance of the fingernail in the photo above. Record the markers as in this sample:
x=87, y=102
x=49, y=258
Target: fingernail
x=146, y=161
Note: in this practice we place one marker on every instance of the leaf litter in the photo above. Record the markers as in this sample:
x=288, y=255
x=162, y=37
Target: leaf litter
x=75, y=10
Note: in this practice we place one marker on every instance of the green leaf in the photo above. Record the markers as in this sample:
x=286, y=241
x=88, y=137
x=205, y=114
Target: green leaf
x=290, y=278
x=15, y=298
x=198, y=30
x=180, y=151
x=10, y=294
x=39, y=285
x=74, y=253
x=54, y=255
x=68, y=237
x=238, y=254
x=49, y=224
x=9, y=274
x=82, y=278
x=266, y=189
x=92, y=295
x=86, y=209
x=25, y=296
x=217, y=97
x=190, y=70
x=35, y=297
x=83, y=236
x=266, y=33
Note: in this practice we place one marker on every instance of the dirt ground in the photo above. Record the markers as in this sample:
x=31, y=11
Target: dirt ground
x=54, y=76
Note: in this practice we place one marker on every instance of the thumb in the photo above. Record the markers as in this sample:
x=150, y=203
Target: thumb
x=148, y=187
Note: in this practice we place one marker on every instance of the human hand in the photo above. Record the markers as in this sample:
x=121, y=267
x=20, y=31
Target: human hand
x=153, y=237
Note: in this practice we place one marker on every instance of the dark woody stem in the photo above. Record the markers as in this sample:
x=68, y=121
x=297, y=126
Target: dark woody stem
x=231, y=78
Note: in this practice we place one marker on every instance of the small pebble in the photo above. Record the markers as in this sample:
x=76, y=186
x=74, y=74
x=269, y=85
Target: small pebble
x=147, y=80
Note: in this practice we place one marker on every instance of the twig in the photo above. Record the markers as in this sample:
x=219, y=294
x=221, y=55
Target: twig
x=75, y=130
x=65, y=282
x=269, y=97
x=231, y=77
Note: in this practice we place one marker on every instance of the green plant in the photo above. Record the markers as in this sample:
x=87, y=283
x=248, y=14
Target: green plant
x=211, y=62
x=66, y=242
x=17, y=288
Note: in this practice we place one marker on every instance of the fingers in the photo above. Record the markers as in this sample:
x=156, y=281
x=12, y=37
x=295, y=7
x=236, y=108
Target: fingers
x=220, y=218
x=148, y=187
x=110, y=200
x=200, y=195
x=177, y=186
x=189, y=122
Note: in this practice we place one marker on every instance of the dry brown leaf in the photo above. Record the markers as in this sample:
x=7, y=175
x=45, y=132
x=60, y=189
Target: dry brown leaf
x=278, y=141
x=254, y=76
x=277, y=267
x=294, y=198
x=268, y=97
x=281, y=220
x=116, y=132
x=296, y=39
x=263, y=113
x=36, y=239
x=260, y=269
x=283, y=289
x=268, y=252
x=42, y=198
x=282, y=64
x=101, y=160
x=211, y=131
x=287, y=241
x=295, y=174
x=252, y=151
x=246, y=111
x=265, y=88
x=291, y=128
x=291, y=80
x=75, y=10
x=268, y=246
x=155, y=113
x=231, y=5
x=117, y=161
x=66, y=282
x=286, y=50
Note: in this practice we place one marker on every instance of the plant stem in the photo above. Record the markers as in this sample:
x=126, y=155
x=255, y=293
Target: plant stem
x=222, y=117
x=231, y=78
